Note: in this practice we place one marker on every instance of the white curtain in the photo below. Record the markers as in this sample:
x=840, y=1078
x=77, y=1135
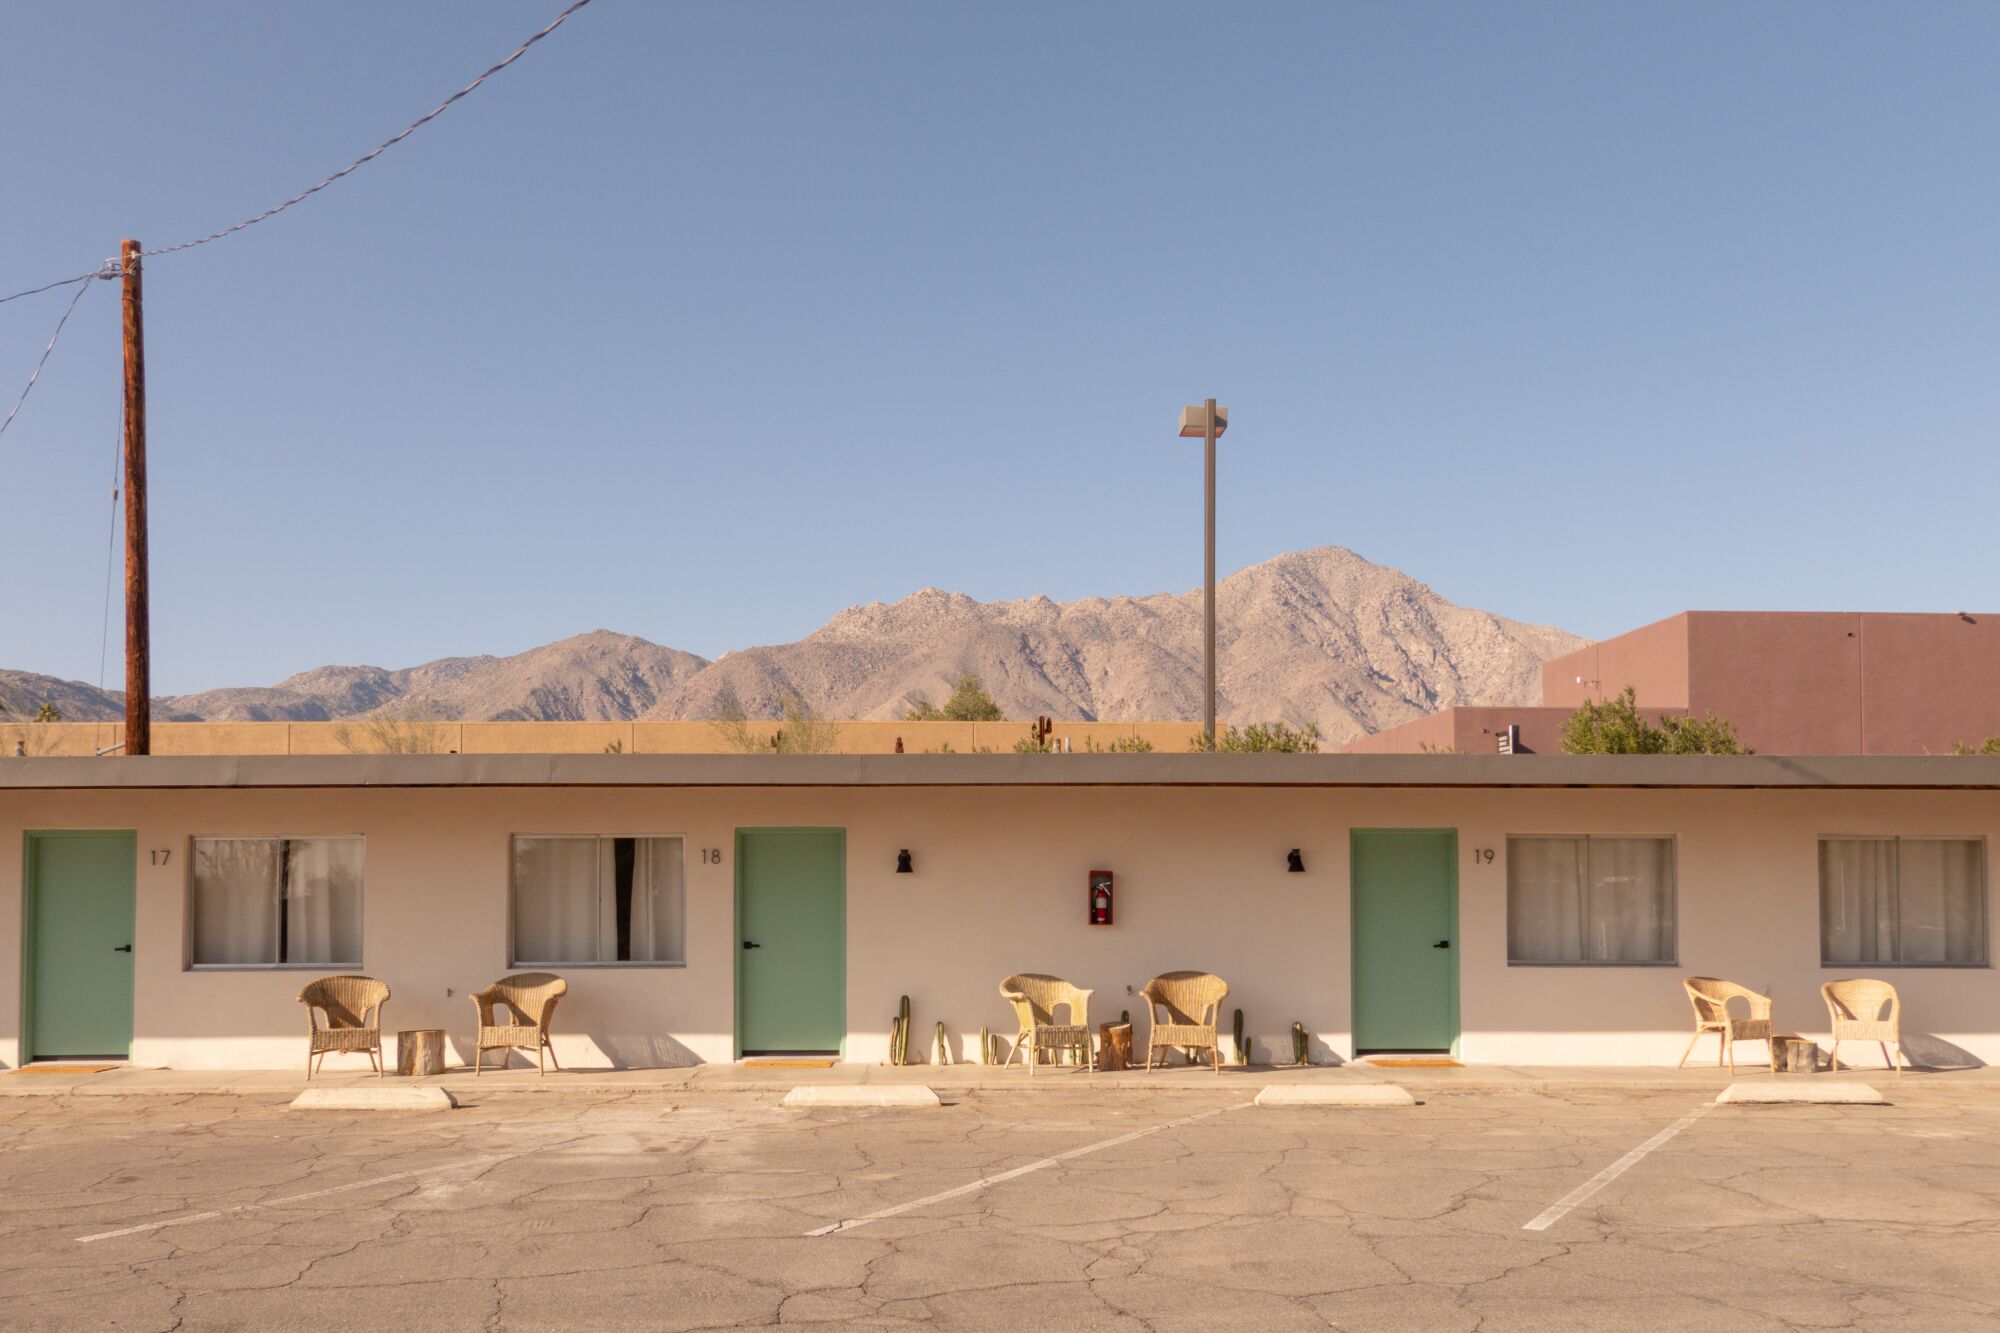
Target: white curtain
x=322, y=887
x=1940, y=889
x=1590, y=900
x=659, y=895
x=555, y=900
x=1546, y=889
x=1631, y=900
x=235, y=900
x=1857, y=900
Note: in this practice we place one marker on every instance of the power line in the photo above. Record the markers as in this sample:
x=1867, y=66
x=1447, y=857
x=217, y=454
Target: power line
x=307, y=193
x=379, y=149
x=82, y=285
x=110, y=270
x=110, y=557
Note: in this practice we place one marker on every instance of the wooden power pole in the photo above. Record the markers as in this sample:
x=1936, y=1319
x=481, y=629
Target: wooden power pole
x=138, y=640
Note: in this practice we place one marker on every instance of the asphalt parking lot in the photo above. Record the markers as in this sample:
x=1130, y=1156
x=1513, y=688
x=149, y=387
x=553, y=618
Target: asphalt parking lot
x=1059, y=1209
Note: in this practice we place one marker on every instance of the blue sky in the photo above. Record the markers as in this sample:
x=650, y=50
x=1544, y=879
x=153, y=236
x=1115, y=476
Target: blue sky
x=705, y=321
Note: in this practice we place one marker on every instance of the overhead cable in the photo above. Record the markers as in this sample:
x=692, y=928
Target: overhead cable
x=312, y=190
x=380, y=148
x=82, y=285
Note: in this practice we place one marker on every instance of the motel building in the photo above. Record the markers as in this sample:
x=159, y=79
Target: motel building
x=1519, y=909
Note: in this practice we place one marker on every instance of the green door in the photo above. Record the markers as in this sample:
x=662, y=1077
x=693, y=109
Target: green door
x=791, y=947
x=1405, y=890
x=79, y=944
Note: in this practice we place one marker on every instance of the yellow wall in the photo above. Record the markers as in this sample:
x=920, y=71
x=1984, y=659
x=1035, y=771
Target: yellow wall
x=999, y=888
x=189, y=738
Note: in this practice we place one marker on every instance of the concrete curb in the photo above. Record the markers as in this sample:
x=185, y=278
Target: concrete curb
x=861, y=1094
x=373, y=1099
x=1329, y=1094
x=1800, y=1094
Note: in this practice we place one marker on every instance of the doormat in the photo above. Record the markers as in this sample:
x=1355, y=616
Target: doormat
x=62, y=1069
x=787, y=1062
x=1414, y=1062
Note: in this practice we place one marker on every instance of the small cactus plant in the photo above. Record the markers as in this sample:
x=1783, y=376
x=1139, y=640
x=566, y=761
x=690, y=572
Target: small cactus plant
x=1125, y=1017
x=1301, y=1044
x=938, y=1054
x=985, y=1047
x=1242, y=1046
x=899, y=1035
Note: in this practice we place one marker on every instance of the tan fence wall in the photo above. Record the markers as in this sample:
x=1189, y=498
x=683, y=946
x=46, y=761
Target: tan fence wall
x=83, y=738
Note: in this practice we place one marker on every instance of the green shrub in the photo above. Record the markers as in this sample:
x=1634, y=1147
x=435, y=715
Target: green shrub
x=1262, y=738
x=1616, y=726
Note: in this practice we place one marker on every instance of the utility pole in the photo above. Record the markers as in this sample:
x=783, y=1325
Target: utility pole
x=138, y=640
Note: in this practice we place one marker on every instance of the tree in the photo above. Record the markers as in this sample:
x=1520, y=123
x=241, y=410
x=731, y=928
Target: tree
x=969, y=702
x=1262, y=738
x=1616, y=726
x=48, y=712
x=1991, y=745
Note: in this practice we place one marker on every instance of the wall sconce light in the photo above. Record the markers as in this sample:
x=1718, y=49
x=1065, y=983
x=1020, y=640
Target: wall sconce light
x=1294, y=862
x=903, y=862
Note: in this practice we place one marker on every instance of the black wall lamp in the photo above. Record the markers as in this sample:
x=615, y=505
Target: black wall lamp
x=1294, y=862
x=903, y=862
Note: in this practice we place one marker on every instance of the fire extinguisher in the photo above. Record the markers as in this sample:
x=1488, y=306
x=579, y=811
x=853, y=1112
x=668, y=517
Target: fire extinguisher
x=1100, y=897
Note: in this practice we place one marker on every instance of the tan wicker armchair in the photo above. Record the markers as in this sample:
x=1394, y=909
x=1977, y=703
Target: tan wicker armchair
x=1182, y=1007
x=1035, y=999
x=1865, y=1010
x=1710, y=999
x=531, y=998
x=352, y=1008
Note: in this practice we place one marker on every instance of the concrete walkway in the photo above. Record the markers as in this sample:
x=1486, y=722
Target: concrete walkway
x=949, y=1079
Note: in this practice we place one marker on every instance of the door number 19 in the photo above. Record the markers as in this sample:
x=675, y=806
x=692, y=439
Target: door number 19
x=1482, y=856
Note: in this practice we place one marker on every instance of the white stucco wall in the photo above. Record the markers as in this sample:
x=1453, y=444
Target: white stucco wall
x=999, y=888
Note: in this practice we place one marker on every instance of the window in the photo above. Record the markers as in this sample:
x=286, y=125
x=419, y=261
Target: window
x=276, y=902
x=1590, y=900
x=599, y=900
x=1916, y=901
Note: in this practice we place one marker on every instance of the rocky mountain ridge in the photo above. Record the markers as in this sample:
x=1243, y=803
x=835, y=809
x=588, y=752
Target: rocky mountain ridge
x=1321, y=636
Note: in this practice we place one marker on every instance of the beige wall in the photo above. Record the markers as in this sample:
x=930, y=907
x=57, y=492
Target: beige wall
x=999, y=887
x=82, y=738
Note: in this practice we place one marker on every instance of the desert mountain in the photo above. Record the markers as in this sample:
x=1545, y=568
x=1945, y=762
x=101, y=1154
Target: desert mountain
x=1314, y=636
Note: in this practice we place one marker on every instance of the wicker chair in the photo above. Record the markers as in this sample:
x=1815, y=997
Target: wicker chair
x=352, y=1008
x=1864, y=1010
x=1710, y=999
x=1035, y=999
x=531, y=997
x=1182, y=1007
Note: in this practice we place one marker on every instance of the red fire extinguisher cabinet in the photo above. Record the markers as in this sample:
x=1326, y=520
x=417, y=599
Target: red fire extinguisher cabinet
x=1100, y=897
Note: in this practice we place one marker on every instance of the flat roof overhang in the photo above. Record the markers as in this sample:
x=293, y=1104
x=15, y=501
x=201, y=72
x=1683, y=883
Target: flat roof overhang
x=169, y=772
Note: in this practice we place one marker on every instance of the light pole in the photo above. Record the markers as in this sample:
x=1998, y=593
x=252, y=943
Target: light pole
x=1207, y=422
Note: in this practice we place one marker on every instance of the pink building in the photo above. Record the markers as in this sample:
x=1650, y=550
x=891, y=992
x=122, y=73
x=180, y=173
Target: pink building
x=1792, y=682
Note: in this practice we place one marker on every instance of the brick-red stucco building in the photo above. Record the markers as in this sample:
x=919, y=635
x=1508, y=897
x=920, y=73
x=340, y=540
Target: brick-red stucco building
x=1792, y=682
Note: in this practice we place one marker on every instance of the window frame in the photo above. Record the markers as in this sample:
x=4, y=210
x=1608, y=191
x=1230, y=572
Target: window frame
x=1673, y=841
x=188, y=963
x=1985, y=900
x=547, y=964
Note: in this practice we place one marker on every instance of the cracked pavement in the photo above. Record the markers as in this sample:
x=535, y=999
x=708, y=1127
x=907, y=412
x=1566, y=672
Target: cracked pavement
x=526, y=1211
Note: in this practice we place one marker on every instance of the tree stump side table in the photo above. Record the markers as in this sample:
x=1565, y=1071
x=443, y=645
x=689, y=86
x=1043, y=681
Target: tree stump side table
x=1114, y=1046
x=1793, y=1055
x=420, y=1051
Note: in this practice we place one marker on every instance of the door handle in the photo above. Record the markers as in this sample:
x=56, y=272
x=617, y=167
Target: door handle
x=1442, y=944
x=752, y=944
x=121, y=948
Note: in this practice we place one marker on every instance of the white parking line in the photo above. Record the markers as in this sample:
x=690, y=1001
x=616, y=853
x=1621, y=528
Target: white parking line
x=1555, y=1212
x=1046, y=1162
x=297, y=1198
